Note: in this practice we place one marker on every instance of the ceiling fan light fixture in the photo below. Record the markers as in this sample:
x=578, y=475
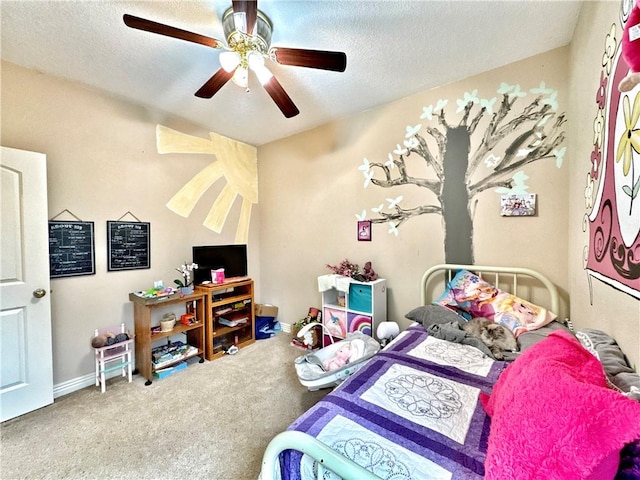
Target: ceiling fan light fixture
x=248, y=33
x=229, y=61
x=263, y=74
x=255, y=60
x=241, y=77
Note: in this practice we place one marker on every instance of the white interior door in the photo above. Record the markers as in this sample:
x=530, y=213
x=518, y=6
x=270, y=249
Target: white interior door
x=26, y=364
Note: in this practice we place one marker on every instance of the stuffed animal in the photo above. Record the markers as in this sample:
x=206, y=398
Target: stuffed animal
x=340, y=359
x=369, y=274
x=631, y=49
x=107, y=339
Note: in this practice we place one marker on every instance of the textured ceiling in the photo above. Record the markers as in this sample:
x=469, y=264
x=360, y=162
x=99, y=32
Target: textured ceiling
x=394, y=49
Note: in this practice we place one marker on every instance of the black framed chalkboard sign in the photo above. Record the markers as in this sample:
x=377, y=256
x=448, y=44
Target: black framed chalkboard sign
x=71, y=249
x=128, y=245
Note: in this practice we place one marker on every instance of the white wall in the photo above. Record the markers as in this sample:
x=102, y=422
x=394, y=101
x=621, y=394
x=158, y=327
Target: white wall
x=102, y=163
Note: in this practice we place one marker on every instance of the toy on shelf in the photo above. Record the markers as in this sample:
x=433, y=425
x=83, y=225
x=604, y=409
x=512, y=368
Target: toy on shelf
x=156, y=292
x=108, y=338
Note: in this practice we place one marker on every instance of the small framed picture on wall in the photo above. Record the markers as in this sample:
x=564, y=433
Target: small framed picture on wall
x=364, y=231
x=518, y=205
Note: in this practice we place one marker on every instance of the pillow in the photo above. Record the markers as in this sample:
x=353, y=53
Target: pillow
x=613, y=359
x=552, y=415
x=468, y=292
x=433, y=314
x=528, y=339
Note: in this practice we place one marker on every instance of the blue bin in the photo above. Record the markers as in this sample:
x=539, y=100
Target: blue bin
x=360, y=297
x=265, y=327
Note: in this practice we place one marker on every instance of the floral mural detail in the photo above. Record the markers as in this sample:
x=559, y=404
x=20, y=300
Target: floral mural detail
x=487, y=148
x=612, y=192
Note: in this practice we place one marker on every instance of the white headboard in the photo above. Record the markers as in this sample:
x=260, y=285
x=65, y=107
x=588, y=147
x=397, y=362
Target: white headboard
x=498, y=276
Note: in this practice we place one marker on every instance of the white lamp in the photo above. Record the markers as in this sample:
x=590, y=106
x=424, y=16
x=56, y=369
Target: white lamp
x=387, y=331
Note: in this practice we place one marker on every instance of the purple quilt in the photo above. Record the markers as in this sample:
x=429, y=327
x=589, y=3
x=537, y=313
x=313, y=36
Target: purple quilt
x=412, y=412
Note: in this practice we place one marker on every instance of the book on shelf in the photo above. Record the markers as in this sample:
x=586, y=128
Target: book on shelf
x=222, y=311
x=234, y=322
x=171, y=352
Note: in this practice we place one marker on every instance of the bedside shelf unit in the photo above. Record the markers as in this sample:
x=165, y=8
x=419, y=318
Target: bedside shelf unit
x=228, y=302
x=142, y=309
x=361, y=309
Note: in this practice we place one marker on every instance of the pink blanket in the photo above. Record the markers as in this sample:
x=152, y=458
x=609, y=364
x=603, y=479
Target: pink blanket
x=553, y=416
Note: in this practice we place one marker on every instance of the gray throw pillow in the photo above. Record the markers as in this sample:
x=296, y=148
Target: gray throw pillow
x=530, y=338
x=432, y=315
x=614, y=361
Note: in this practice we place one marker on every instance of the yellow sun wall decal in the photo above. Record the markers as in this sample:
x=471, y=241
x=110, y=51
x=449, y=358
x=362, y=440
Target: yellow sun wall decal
x=237, y=162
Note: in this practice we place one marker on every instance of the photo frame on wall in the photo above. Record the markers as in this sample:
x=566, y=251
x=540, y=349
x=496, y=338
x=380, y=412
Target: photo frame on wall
x=518, y=205
x=364, y=230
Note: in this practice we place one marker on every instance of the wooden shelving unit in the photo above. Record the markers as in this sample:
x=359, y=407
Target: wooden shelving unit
x=231, y=301
x=142, y=313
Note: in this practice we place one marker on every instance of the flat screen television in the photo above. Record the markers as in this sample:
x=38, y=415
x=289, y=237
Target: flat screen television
x=233, y=258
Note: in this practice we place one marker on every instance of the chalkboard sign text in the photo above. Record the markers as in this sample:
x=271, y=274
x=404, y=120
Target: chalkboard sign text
x=128, y=245
x=71, y=249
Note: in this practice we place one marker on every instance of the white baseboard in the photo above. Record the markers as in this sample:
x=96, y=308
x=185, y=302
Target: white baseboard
x=73, y=385
x=78, y=383
x=286, y=327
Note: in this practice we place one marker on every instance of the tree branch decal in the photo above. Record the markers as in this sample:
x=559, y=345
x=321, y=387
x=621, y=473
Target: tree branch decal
x=504, y=141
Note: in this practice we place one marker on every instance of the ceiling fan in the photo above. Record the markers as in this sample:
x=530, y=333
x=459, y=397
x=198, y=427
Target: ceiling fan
x=248, y=35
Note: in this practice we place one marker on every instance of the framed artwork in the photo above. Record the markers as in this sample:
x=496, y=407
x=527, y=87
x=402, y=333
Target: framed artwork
x=71, y=249
x=518, y=205
x=364, y=230
x=128, y=245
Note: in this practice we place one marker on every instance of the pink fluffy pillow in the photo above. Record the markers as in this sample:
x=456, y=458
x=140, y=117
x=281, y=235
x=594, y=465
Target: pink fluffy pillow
x=553, y=416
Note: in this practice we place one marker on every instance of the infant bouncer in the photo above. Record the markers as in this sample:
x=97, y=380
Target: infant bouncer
x=332, y=364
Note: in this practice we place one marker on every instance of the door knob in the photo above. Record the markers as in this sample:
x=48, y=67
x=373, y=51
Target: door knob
x=39, y=292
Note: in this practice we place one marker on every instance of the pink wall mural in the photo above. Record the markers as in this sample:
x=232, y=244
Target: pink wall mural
x=613, y=182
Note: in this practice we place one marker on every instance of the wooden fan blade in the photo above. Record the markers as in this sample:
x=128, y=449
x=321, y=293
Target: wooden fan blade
x=214, y=84
x=250, y=10
x=284, y=102
x=155, y=27
x=324, y=60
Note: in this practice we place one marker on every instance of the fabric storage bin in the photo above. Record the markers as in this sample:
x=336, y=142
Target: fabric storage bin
x=359, y=323
x=335, y=322
x=360, y=297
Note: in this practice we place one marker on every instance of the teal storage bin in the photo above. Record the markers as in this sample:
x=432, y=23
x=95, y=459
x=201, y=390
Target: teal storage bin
x=360, y=296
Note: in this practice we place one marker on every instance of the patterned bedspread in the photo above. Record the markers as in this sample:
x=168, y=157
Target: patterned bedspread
x=411, y=413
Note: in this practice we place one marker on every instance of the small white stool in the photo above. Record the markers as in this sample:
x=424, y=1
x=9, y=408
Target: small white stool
x=113, y=357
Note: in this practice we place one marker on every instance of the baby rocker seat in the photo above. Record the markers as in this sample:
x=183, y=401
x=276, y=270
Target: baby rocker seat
x=332, y=364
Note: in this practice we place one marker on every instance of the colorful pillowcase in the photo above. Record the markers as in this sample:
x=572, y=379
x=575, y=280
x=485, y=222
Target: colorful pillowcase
x=470, y=296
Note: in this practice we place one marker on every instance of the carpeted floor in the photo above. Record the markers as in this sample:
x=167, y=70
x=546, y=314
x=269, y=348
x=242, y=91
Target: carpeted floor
x=212, y=420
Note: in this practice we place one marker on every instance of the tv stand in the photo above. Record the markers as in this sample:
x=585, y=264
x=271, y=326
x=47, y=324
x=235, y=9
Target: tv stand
x=229, y=315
